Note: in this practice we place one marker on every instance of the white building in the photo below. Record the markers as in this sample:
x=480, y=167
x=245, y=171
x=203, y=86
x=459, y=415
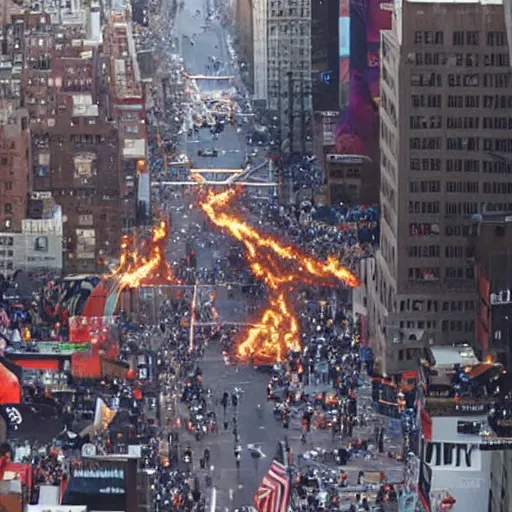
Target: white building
x=451, y=428
x=260, y=50
x=37, y=249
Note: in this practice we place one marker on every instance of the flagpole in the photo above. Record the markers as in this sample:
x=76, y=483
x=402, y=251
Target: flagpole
x=286, y=451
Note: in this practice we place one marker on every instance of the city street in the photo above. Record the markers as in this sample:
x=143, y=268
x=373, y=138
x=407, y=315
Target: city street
x=208, y=42
x=235, y=488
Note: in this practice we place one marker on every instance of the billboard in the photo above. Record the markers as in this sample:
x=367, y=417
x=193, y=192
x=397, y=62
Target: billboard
x=344, y=46
x=358, y=130
x=103, y=484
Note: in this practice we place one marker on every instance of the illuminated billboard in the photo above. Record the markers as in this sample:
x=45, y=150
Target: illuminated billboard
x=358, y=130
x=344, y=48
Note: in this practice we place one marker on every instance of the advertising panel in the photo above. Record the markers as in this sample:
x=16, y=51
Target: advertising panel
x=42, y=251
x=23, y=420
x=103, y=484
x=102, y=335
x=344, y=41
x=358, y=131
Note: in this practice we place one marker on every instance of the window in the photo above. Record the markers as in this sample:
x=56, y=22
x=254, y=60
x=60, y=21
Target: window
x=430, y=100
x=8, y=209
x=423, y=251
x=496, y=38
x=463, y=143
x=424, y=274
x=425, y=122
x=425, y=164
x=428, y=37
x=423, y=229
x=459, y=123
x=497, y=123
x=454, y=273
x=8, y=185
x=454, y=251
x=467, y=208
x=496, y=60
x=496, y=80
x=458, y=38
x=502, y=188
x=426, y=79
x=472, y=101
x=455, y=101
x=457, y=230
x=427, y=207
x=472, y=38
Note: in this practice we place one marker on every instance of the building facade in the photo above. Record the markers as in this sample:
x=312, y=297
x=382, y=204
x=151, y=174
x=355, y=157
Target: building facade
x=244, y=24
x=260, y=52
x=444, y=114
x=127, y=109
x=492, y=242
x=289, y=72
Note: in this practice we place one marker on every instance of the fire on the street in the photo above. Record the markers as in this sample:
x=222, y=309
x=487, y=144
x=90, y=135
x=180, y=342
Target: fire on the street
x=145, y=265
x=281, y=267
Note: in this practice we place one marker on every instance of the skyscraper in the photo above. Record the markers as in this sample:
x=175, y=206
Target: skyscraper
x=445, y=112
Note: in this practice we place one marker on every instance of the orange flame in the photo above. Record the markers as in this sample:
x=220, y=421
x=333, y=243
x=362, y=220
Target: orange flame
x=280, y=266
x=138, y=269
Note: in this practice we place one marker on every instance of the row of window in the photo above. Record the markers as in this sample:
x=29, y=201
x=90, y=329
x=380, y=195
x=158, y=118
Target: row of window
x=416, y=187
x=432, y=207
x=460, y=38
x=431, y=306
x=494, y=80
x=462, y=144
x=462, y=187
x=423, y=251
x=495, y=101
x=434, y=273
x=460, y=165
x=470, y=60
x=458, y=326
x=421, y=229
x=433, y=251
x=427, y=207
x=491, y=101
x=459, y=123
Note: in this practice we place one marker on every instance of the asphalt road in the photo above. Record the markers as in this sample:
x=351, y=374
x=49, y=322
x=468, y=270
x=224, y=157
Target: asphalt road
x=208, y=42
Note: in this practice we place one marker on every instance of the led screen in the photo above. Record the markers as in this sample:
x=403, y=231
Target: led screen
x=358, y=130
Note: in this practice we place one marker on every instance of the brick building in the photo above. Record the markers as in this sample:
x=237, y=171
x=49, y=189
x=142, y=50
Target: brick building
x=14, y=138
x=127, y=111
x=74, y=144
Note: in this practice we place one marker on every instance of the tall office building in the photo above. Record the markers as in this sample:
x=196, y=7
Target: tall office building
x=289, y=71
x=445, y=116
x=325, y=55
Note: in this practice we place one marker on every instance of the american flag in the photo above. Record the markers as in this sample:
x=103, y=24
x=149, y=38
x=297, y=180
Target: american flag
x=273, y=494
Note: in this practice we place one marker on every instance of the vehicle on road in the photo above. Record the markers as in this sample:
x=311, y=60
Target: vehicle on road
x=208, y=152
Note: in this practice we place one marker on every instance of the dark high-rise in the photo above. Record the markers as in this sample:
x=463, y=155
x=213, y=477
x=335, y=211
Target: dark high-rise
x=324, y=54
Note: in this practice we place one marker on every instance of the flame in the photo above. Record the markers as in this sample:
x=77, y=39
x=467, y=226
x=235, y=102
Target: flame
x=147, y=264
x=280, y=266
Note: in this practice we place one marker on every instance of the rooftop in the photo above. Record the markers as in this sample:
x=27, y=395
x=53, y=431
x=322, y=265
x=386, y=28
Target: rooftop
x=125, y=67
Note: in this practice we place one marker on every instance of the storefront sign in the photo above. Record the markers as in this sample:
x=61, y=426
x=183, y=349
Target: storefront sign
x=345, y=159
